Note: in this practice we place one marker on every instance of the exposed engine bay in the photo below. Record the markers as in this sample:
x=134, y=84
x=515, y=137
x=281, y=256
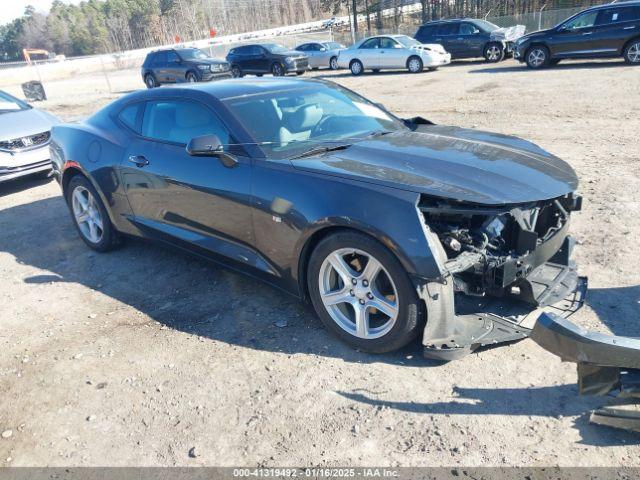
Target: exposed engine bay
x=502, y=264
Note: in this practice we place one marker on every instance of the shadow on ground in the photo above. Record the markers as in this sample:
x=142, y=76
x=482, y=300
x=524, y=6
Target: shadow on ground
x=556, y=401
x=561, y=66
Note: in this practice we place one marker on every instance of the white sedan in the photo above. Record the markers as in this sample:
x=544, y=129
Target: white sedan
x=392, y=52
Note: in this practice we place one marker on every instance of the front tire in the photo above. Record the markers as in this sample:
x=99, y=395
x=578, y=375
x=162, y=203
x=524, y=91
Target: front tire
x=356, y=67
x=494, y=52
x=191, y=77
x=537, y=57
x=300, y=73
x=632, y=52
x=236, y=72
x=414, y=65
x=362, y=293
x=90, y=216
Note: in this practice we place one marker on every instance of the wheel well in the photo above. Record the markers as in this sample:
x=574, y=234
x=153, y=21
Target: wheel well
x=354, y=60
x=634, y=39
x=68, y=174
x=311, y=244
x=409, y=59
x=492, y=42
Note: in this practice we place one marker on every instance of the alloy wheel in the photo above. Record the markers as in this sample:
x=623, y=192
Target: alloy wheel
x=150, y=81
x=235, y=72
x=493, y=53
x=356, y=68
x=191, y=78
x=333, y=64
x=277, y=70
x=358, y=293
x=537, y=57
x=87, y=214
x=633, y=54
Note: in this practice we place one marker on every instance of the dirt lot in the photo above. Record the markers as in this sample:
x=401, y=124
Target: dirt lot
x=137, y=356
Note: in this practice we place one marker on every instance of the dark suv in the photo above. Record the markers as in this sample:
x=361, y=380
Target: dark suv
x=266, y=58
x=182, y=65
x=611, y=30
x=470, y=38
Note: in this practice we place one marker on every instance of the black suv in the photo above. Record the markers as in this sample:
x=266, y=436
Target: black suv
x=611, y=30
x=266, y=58
x=182, y=65
x=469, y=38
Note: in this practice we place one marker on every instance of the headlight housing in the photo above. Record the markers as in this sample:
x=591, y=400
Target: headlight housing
x=205, y=67
x=288, y=60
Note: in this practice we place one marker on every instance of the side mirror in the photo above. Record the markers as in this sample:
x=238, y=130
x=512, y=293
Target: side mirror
x=323, y=49
x=210, y=146
x=476, y=31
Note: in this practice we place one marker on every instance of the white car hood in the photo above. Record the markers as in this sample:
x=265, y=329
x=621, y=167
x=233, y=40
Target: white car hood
x=25, y=122
x=433, y=47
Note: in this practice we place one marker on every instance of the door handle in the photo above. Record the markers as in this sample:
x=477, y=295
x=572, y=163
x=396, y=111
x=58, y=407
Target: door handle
x=629, y=28
x=587, y=33
x=139, y=160
x=460, y=38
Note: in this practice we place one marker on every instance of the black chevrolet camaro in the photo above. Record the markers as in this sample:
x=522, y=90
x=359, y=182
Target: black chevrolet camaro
x=389, y=227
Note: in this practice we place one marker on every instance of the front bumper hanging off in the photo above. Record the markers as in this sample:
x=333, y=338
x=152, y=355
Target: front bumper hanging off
x=606, y=364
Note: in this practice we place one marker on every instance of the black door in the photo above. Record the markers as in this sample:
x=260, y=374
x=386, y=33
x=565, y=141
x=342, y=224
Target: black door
x=447, y=35
x=576, y=37
x=426, y=34
x=160, y=68
x=471, y=40
x=195, y=200
x=175, y=68
x=615, y=26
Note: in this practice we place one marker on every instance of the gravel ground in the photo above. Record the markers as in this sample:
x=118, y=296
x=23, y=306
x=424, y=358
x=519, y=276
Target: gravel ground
x=136, y=357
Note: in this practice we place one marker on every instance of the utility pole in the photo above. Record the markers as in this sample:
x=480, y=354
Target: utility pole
x=354, y=11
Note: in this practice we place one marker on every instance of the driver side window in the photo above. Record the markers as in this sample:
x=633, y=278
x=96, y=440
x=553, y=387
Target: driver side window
x=585, y=20
x=388, y=43
x=371, y=43
x=467, y=29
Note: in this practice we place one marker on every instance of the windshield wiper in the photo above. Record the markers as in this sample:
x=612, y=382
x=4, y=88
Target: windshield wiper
x=318, y=150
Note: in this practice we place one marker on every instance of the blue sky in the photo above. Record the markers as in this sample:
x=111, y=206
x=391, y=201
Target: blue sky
x=10, y=9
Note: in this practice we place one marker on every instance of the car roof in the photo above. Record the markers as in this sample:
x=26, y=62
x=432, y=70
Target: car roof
x=225, y=89
x=452, y=20
x=621, y=3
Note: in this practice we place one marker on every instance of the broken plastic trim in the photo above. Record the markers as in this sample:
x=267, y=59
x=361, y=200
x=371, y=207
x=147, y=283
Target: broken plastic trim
x=605, y=364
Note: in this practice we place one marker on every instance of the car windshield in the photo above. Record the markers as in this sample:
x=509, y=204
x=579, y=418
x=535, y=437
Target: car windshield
x=488, y=26
x=334, y=45
x=9, y=103
x=407, y=41
x=287, y=123
x=192, y=54
x=275, y=48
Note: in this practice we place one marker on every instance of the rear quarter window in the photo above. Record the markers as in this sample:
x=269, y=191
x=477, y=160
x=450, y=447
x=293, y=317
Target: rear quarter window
x=426, y=31
x=130, y=116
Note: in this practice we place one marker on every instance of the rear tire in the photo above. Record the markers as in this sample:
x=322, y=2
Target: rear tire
x=356, y=67
x=89, y=215
x=390, y=288
x=277, y=70
x=150, y=81
x=236, y=71
x=537, y=57
x=333, y=63
x=494, y=52
x=632, y=52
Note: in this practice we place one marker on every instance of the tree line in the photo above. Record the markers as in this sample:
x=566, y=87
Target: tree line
x=102, y=26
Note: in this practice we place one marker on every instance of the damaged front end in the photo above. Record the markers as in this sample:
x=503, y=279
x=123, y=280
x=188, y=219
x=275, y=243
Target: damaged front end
x=500, y=267
x=606, y=365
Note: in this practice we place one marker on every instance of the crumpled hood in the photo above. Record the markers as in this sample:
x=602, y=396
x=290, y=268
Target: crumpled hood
x=451, y=162
x=24, y=123
x=508, y=34
x=539, y=33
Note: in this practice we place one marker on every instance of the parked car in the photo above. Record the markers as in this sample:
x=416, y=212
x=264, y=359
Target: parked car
x=24, y=138
x=611, y=30
x=392, y=52
x=376, y=220
x=471, y=38
x=322, y=54
x=264, y=58
x=177, y=65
